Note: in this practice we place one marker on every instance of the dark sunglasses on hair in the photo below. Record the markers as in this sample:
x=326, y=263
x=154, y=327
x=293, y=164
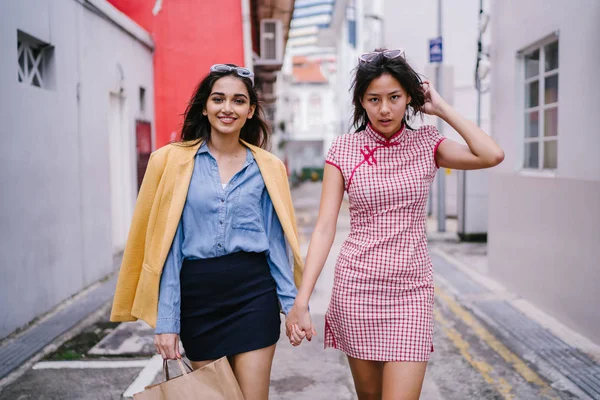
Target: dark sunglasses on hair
x=240, y=71
x=389, y=54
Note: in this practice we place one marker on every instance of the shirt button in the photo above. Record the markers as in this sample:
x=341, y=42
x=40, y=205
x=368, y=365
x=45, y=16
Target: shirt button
x=222, y=200
x=221, y=222
x=219, y=245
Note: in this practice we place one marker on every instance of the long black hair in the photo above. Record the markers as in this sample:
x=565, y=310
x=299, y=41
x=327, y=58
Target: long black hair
x=196, y=126
x=400, y=70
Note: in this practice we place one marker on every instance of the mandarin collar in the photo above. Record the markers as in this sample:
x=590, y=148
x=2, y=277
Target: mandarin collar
x=380, y=137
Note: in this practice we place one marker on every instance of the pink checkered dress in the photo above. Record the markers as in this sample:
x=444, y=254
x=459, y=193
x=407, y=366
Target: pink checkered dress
x=381, y=307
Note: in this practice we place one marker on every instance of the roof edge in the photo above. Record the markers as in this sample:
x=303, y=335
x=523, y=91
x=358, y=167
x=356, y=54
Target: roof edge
x=122, y=21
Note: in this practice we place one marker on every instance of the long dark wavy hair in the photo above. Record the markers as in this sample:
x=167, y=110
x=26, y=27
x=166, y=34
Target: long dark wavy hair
x=400, y=70
x=196, y=126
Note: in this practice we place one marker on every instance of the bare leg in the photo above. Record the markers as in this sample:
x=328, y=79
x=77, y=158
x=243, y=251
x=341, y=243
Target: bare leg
x=403, y=380
x=368, y=378
x=253, y=372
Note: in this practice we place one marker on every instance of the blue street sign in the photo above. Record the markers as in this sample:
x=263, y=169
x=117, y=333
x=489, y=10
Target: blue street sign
x=435, y=50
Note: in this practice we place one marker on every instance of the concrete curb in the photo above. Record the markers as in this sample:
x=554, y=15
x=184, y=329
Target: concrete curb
x=19, y=353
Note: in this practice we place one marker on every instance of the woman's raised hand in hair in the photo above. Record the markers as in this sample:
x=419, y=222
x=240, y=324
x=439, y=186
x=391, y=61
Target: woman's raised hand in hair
x=434, y=104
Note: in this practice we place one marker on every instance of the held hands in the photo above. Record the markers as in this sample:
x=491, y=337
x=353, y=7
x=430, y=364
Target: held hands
x=434, y=104
x=167, y=345
x=298, y=325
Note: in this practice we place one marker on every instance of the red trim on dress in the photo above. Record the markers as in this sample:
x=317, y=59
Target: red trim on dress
x=352, y=174
x=334, y=164
x=435, y=151
x=367, y=156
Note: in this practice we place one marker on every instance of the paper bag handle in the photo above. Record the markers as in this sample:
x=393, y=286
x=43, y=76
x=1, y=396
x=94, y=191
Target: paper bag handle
x=182, y=366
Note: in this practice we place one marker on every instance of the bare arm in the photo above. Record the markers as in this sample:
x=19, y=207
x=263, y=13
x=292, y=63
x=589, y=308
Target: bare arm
x=480, y=152
x=320, y=244
x=324, y=233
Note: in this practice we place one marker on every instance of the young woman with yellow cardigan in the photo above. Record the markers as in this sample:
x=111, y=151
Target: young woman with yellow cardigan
x=212, y=255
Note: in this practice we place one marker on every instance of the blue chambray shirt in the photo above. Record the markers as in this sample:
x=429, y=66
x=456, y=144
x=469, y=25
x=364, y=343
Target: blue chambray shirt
x=216, y=222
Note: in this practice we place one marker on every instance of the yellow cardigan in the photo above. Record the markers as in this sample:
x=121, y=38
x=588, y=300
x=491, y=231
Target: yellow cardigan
x=156, y=216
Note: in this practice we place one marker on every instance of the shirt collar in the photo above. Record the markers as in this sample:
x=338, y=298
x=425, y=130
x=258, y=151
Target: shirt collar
x=205, y=150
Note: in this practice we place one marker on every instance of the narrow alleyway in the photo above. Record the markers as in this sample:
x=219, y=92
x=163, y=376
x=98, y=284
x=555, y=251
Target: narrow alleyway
x=484, y=349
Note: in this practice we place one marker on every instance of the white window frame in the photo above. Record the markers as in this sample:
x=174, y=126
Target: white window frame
x=524, y=110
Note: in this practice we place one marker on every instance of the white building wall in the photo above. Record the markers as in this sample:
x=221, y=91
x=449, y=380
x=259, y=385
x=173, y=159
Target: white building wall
x=308, y=122
x=56, y=236
x=544, y=228
x=311, y=122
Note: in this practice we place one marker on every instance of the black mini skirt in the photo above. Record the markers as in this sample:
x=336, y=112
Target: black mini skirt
x=229, y=306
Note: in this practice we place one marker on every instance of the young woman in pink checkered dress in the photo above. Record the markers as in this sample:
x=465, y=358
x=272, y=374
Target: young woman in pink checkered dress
x=381, y=310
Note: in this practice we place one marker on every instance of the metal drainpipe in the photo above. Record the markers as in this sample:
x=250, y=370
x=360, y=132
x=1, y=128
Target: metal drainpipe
x=247, y=34
x=441, y=211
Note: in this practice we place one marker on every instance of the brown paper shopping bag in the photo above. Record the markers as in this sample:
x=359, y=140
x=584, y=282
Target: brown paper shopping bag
x=214, y=381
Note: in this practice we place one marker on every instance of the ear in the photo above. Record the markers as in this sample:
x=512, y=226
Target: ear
x=204, y=112
x=408, y=100
x=251, y=111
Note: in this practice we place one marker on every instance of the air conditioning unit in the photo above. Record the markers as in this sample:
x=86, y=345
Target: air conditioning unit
x=271, y=43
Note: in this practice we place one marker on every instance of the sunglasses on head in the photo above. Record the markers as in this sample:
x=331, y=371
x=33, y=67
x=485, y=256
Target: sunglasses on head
x=240, y=71
x=389, y=54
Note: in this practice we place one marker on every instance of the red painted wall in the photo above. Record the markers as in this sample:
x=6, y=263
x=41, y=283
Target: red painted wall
x=190, y=36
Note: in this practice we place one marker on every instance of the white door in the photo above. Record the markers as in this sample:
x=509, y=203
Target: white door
x=122, y=189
